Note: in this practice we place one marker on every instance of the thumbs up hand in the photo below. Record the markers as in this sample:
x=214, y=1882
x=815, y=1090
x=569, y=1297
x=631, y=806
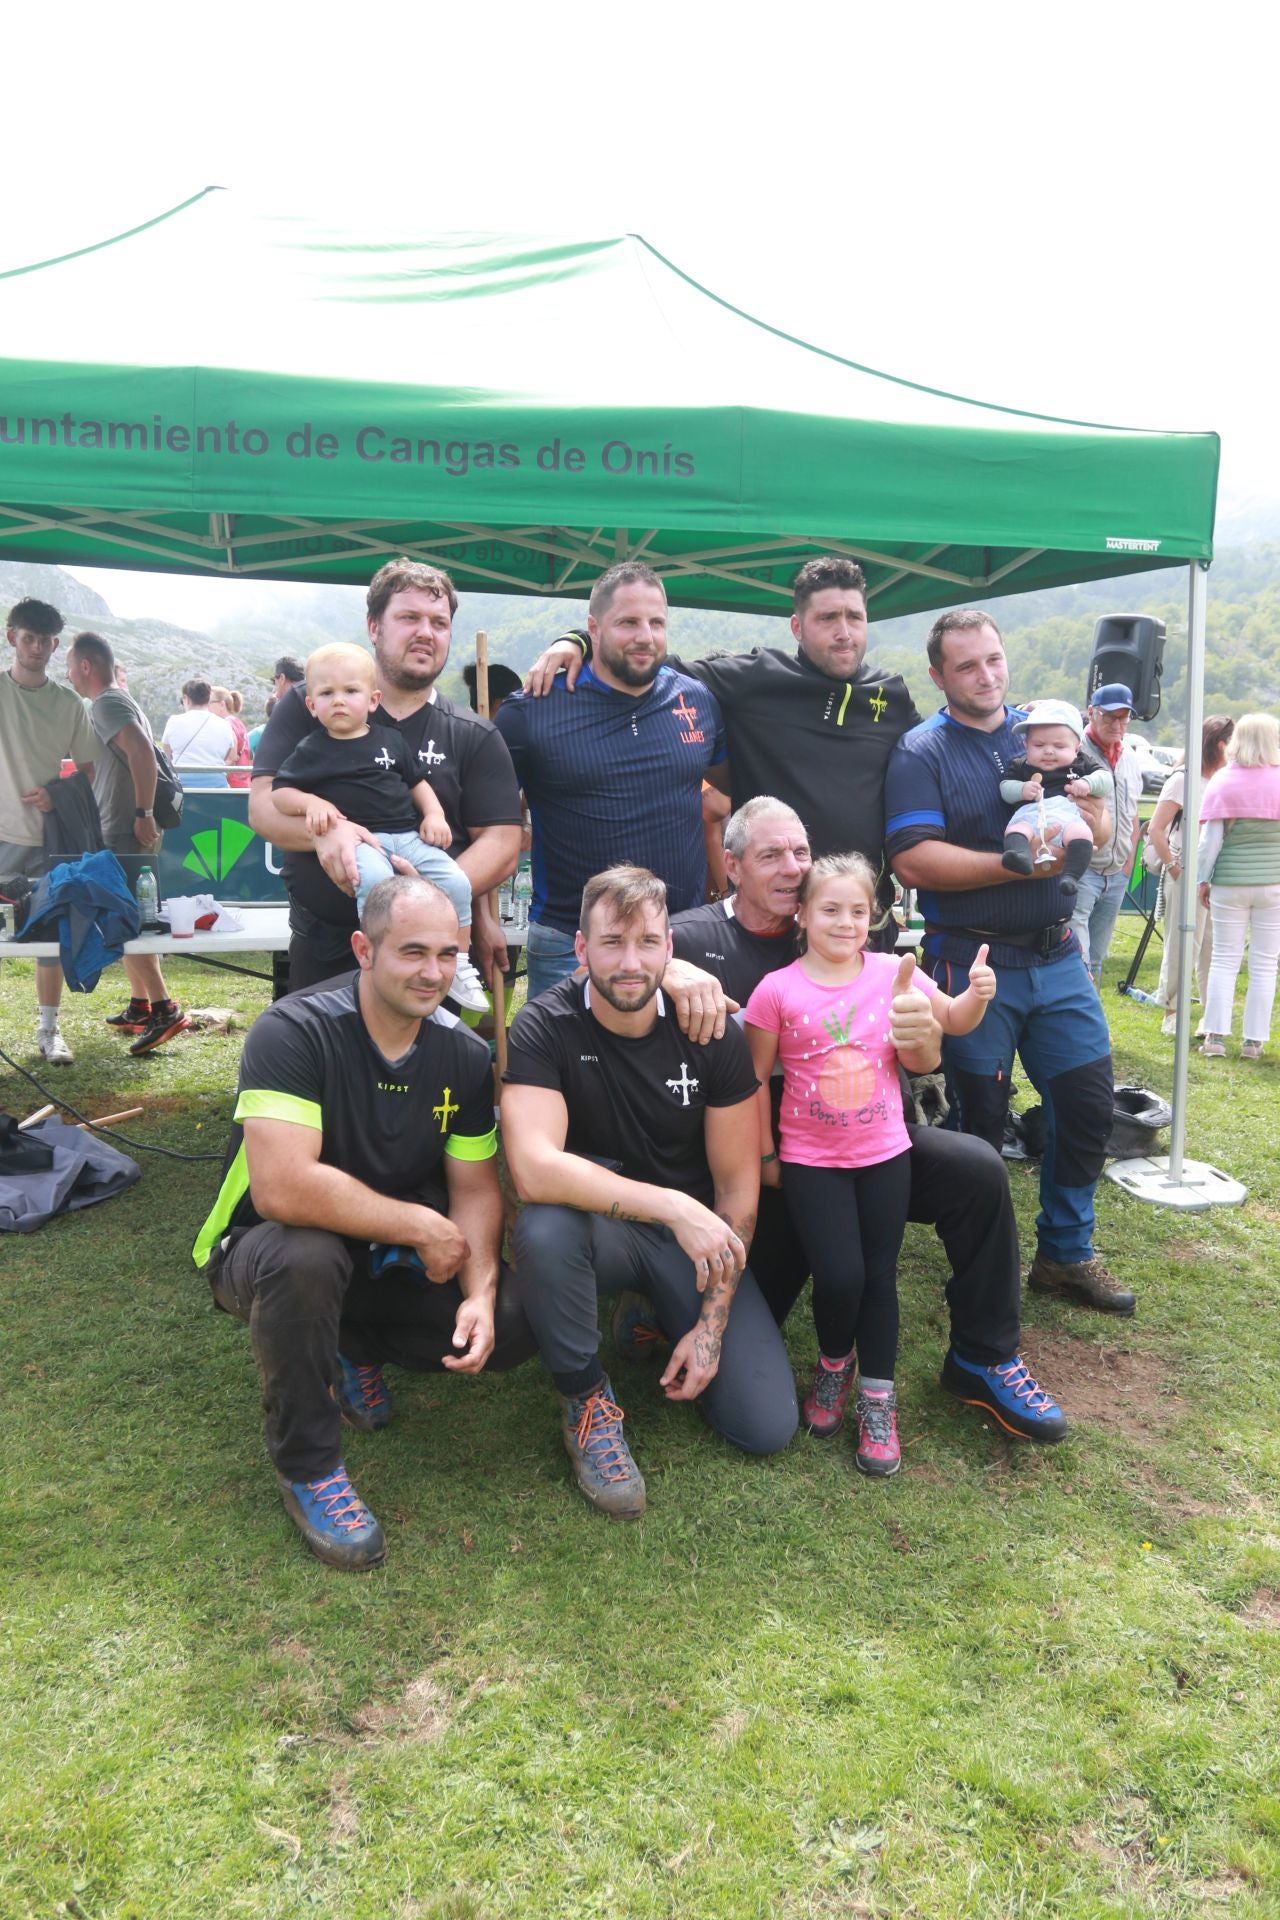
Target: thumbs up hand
x=911, y=1026
x=982, y=978
x=906, y=967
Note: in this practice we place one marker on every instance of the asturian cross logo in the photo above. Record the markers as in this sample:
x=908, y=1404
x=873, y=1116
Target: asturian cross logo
x=685, y=1085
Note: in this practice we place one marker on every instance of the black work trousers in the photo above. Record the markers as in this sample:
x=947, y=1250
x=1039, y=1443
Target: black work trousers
x=960, y=1187
x=565, y=1259
x=307, y=1296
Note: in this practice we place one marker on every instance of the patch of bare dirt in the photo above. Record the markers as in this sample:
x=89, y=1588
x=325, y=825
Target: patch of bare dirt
x=1097, y=1385
x=729, y=1729
x=419, y=1716
x=1262, y=1609
x=344, y=1824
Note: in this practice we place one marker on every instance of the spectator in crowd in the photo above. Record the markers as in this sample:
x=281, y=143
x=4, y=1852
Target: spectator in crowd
x=1239, y=881
x=124, y=786
x=945, y=829
x=41, y=724
x=200, y=742
x=502, y=683
x=615, y=771
x=637, y=1154
x=959, y=1185
x=288, y=672
x=359, y=1223
x=814, y=727
x=256, y=733
x=228, y=702
x=410, y=610
x=1164, y=837
x=1103, y=885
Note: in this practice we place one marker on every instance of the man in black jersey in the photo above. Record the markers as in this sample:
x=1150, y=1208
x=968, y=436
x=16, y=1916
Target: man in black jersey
x=637, y=1152
x=958, y=1185
x=410, y=610
x=815, y=727
x=360, y=1219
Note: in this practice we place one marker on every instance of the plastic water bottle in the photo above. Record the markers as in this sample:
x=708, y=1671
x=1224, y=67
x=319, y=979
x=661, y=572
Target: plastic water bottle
x=1147, y=999
x=148, y=898
x=521, y=893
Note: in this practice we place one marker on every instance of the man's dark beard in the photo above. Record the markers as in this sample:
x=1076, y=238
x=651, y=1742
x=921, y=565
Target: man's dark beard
x=622, y=669
x=603, y=989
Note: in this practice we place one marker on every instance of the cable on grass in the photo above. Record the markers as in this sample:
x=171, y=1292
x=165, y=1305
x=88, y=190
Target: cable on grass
x=108, y=1133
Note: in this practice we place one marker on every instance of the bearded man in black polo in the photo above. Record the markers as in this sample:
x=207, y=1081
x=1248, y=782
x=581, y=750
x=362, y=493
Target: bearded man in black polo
x=637, y=1153
x=360, y=1219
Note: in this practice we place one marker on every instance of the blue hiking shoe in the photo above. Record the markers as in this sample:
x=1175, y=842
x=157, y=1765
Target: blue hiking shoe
x=1008, y=1391
x=591, y=1424
x=363, y=1397
x=635, y=1329
x=333, y=1521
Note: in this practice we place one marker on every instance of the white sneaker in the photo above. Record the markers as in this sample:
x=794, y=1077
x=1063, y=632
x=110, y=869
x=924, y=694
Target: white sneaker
x=53, y=1046
x=468, y=987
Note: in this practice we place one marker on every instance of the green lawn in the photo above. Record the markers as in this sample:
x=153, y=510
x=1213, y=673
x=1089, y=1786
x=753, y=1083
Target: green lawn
x=1009, y=1683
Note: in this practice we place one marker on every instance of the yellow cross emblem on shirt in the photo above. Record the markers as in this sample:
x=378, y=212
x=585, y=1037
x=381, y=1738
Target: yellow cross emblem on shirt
x=445, y=1109
x=877, y=703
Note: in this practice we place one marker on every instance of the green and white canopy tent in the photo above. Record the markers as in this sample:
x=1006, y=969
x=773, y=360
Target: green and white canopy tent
x=231, y=393
x=227, y=392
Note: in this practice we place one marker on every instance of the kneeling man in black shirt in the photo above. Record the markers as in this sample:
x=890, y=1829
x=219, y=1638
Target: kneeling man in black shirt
x=360, y=1219
x=637, y=1152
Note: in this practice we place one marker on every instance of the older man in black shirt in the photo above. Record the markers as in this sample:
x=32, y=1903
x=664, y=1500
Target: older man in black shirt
x=637, y=1151
x=958, y=1184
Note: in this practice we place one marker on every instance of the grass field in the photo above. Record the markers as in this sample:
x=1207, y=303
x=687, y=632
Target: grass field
x=1011, y=1682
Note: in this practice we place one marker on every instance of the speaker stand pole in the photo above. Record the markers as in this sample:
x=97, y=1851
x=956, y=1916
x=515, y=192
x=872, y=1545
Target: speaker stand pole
x=1188, y=1185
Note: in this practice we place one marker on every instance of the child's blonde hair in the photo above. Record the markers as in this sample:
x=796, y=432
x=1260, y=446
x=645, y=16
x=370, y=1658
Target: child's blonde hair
x=340, y=653
x=838, y=866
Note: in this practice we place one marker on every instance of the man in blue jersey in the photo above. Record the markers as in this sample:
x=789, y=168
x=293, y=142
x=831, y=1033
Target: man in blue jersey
x=944, y=829
x=615, y=772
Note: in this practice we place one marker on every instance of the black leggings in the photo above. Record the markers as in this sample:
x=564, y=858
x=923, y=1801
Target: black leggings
x=850, y=1221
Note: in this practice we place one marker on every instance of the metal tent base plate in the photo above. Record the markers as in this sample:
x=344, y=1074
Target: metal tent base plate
x=1200, y=1187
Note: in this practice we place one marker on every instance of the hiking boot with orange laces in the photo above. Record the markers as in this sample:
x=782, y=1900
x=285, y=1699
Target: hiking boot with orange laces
x=635, y=1329
x=363, y=1397
x=333, y=1520
x=601, y=1460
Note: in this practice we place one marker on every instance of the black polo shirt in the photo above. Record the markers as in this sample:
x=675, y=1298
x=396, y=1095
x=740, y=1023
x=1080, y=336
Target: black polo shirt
x=638, y=1103
x=309, y=1060
x=714, y=939
x=463, y=756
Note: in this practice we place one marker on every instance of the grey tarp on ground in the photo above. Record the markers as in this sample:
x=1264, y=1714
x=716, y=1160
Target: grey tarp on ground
x=85, y=1169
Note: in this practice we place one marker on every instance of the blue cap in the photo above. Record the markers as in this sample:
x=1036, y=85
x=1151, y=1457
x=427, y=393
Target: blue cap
x=1113, y=698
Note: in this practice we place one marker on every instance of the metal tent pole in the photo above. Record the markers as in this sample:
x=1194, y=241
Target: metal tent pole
x=1189, y=1185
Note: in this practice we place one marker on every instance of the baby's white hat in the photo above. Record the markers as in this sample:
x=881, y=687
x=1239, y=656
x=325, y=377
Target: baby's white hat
x=1053, y=713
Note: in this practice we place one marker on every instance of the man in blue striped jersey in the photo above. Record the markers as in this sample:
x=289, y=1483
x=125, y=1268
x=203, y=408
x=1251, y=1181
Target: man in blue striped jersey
x=944, y=831
x=613, y=773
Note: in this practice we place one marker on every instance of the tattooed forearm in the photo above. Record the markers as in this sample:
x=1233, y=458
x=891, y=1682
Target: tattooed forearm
x=744, y=1226
x=618, y=1212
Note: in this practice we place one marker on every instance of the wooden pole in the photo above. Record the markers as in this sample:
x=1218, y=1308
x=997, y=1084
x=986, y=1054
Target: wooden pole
x=497, y=985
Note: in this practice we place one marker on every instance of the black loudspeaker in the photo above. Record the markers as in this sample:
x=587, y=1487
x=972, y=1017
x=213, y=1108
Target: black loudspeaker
x=1129, y=647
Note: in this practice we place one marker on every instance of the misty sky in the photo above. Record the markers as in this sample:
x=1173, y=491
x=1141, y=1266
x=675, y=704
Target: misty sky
x=1067, y=210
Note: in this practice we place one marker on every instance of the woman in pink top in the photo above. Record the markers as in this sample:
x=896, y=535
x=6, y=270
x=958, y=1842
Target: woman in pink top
x=843, y=1156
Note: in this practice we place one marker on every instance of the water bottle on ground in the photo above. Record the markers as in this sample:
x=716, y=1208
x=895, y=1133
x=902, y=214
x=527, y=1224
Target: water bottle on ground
x=1147, y=999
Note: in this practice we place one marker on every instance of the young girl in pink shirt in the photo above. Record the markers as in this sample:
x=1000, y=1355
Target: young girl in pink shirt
x=842, y=1153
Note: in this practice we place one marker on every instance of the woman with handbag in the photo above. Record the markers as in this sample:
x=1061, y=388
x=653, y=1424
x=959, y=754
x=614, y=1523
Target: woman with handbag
x=1163, y=855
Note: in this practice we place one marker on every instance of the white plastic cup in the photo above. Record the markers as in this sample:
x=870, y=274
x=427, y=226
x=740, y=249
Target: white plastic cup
x=182, y=916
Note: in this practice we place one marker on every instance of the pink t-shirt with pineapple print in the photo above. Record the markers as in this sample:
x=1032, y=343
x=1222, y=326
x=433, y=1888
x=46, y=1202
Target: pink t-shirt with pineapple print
x=841, y=1098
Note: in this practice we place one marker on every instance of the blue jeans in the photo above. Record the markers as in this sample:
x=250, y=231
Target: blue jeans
x=1098, y=905
x=433, y=863
x=548, y=956
x=1050, y=1017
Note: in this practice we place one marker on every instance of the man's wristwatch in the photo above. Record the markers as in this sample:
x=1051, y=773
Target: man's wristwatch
x=144, y=813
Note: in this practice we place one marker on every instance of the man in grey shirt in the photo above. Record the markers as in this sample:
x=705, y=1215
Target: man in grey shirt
x=124, y=786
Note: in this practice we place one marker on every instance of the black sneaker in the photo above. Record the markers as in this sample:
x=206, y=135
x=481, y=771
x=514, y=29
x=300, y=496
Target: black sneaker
x=165, y=1021
x=135, y=1018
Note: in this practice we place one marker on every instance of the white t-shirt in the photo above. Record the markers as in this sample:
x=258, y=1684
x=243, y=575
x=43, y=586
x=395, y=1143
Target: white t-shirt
x=198, y=738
